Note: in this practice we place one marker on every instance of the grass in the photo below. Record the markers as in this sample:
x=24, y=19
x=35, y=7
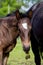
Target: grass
x=17, y=56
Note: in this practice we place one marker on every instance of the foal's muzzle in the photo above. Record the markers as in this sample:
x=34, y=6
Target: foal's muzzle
x=26, y=49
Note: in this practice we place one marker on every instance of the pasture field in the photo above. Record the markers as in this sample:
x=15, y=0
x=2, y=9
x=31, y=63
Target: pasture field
x=17, y=56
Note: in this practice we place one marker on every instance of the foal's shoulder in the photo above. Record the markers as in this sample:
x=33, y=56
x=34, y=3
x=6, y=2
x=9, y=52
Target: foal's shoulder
x=7, y=18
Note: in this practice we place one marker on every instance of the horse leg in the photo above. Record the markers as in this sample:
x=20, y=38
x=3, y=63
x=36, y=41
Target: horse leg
x=6, y=54
x=36, y=54
x=35, y=50
x=37, y=59
x=1, y=57
x=5, y=59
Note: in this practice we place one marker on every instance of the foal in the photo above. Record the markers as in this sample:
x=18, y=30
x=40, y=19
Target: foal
x=11, y=27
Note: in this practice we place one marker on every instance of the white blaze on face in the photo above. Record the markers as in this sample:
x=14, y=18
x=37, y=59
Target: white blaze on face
x=25, y=25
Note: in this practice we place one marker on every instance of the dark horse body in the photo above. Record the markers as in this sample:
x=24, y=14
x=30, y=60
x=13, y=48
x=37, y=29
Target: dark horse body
x=35, y=15
x=12, y=26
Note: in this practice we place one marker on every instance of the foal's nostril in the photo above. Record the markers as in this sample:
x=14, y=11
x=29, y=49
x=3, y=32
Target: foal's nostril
x=26, y=49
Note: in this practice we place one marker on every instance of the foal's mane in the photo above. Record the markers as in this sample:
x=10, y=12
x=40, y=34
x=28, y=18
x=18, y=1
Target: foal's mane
x=22, y=15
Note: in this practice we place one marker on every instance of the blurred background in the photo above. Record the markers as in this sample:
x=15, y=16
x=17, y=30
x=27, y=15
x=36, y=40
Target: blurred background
x=7, y=6
x=17, y=56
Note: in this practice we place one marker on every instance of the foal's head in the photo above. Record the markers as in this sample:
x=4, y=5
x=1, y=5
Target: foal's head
x=24, y=27
x=22, y=24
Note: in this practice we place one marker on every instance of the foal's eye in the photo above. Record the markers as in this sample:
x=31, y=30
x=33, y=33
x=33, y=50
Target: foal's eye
x=28, y=34
x=19, y=30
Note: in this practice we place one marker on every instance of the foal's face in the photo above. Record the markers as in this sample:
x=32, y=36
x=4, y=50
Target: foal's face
x=24, y=28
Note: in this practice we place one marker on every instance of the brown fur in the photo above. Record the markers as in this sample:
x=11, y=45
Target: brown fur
x=10, y=28
x=8, y=35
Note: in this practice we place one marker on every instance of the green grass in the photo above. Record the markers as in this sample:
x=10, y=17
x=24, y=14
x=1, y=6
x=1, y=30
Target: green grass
x=17, y=56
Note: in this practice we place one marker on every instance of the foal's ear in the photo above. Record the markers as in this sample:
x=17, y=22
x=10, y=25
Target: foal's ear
x=30, y=13
x=32, y=9
x=17, y=14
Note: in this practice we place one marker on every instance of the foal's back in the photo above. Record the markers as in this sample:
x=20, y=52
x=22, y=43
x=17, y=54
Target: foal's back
x=8, y=30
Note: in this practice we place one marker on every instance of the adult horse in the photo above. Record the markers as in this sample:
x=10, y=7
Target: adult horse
x=35, y=14
x=11, y=27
